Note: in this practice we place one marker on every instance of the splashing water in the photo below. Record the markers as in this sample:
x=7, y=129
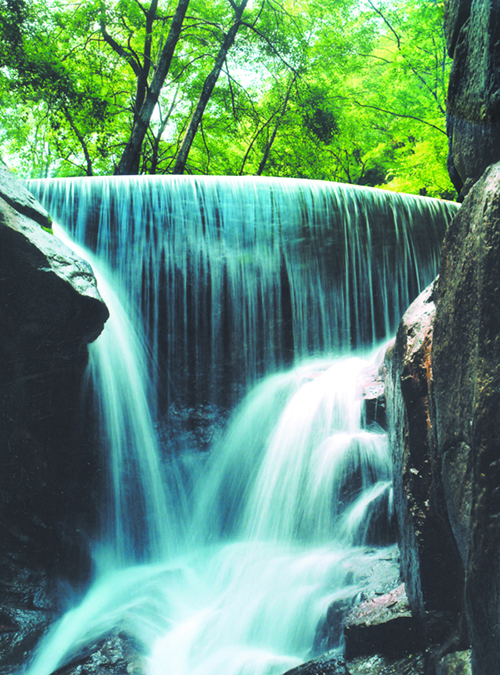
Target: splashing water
x=275, y=538
x=228, y=561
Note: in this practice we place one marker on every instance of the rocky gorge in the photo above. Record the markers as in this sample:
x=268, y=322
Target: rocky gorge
x=439, y=611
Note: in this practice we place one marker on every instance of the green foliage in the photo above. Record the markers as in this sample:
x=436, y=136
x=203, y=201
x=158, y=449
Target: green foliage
x=343, y=90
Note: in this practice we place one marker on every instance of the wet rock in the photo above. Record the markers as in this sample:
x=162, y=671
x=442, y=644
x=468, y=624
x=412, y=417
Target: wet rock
x=430, y=562
x=412, y=664
x=457, y=663
x=329, y=663
x=466, y=370
x=372, y=392
x=117, y=654
x=375, y=574
x=382, y=625
x=473, y=33
x=26, y=599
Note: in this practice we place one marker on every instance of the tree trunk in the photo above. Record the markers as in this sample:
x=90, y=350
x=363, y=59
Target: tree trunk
x=208, y=87
x=130, y=159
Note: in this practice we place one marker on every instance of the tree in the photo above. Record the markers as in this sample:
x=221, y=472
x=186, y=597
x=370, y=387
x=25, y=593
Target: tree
x=332, y=89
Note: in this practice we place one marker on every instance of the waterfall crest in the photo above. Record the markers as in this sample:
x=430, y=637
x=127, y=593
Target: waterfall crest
x=238, y=277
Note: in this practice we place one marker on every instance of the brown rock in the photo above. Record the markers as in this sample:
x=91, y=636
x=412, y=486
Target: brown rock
x=430, y=563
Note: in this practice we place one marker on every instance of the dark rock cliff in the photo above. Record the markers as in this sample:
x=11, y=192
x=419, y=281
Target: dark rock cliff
x=49, y=311
x=430, y=562
x=466, y=365
x=473, y=37
x=444, y=394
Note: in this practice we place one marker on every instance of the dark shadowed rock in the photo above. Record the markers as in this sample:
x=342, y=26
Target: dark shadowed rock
x=430, y=562
x=412, y=664
x=327, y=664
x=473, y=32
x=456, y=13
x=116, y=654
x=49, y=311
x=466, y=368
x=382, y=625
x=26, y=598
x=456, y=663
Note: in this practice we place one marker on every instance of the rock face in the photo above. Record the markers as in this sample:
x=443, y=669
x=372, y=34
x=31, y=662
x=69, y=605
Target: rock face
x=466, y=363
x=382, y=625
x=444, y=412
x=473, y=37
x=49, y=311
x=444, y=393
x=430, y=563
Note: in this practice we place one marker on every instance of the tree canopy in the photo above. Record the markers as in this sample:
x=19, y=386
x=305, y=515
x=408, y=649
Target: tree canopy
x=345, y=90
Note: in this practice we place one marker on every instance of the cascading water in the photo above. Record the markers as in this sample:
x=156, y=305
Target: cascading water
x=228, y=561
x=237, y=278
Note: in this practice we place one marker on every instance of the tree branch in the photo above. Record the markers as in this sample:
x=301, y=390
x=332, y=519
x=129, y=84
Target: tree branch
x=403, y=115
x=116, y=47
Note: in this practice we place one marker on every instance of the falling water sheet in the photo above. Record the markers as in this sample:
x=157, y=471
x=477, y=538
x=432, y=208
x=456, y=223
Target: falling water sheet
x=228, y=561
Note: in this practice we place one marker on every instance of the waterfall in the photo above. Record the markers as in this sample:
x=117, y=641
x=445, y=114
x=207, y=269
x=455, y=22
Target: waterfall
x=141, y=494
x=224, y=550
x=238, y=277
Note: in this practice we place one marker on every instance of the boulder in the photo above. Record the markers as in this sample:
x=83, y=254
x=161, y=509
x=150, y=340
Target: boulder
x=466, y=372
x=456, y=663
x=430, y=563
x=22, y=201
x=382, y=625
x=413, y=664
x=116, y=654
x=50, y=310
x=329, y=663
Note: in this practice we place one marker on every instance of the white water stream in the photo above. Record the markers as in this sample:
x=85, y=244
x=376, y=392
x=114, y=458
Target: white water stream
x=227, y=561
x=281, y=514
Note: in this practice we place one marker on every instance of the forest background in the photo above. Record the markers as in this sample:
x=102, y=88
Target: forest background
x=343, y=90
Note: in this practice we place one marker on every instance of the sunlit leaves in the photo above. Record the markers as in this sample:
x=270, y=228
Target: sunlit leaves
x=346, y=90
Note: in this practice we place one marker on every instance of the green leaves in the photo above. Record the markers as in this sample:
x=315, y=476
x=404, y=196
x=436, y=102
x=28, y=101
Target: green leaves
x=345, y=90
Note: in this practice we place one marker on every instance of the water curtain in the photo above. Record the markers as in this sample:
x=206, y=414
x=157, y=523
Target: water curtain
x=238, y=277
x=275, y=530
